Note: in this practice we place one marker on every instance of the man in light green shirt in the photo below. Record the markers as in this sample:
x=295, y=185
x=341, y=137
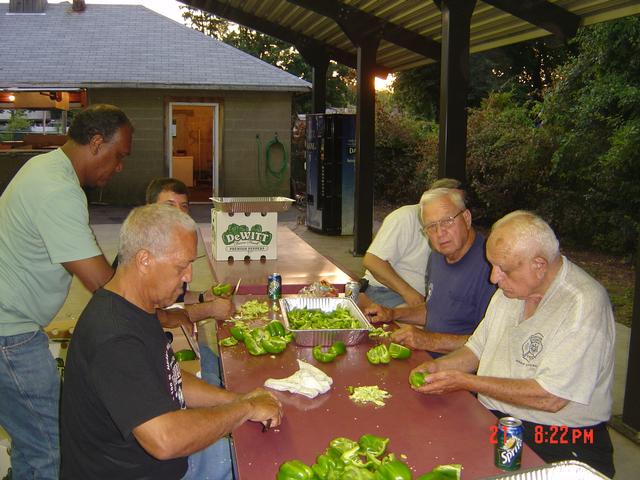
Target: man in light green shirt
x=45, y=239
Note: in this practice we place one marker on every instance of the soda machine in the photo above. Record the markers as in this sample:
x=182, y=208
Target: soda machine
x=331, y=159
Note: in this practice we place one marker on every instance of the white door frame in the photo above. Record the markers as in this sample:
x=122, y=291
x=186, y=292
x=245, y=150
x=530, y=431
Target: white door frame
x=216, y=141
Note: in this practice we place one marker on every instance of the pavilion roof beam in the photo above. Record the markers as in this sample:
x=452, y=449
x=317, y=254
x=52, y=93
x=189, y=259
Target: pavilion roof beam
x=543, y=14
x=300, y=41
x=345, y=14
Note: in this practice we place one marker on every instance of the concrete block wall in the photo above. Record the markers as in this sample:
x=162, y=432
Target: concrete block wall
x=243, y=115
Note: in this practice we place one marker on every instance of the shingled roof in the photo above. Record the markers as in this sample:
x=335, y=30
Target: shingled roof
x=124, y=46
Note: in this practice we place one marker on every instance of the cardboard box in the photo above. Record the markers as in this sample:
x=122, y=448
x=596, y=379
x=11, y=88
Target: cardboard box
x=242, y=235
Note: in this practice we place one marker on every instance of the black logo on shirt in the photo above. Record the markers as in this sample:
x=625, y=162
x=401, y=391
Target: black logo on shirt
x=532, y=347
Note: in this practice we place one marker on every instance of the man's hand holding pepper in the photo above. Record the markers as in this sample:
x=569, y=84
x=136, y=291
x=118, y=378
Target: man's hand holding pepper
x=412, y=337
x=446, y=381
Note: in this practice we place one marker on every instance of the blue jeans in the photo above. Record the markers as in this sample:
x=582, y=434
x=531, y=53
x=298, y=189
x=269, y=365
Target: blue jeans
x=212, y=463
x=384, y=296
x=29, y=403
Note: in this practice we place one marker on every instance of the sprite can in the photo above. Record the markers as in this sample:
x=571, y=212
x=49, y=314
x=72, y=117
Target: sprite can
x=509, y=443
x=274, y=286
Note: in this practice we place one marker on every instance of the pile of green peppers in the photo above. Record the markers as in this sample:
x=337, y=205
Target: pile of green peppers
x=269, y=339
x=346, y=459
x=328, y=355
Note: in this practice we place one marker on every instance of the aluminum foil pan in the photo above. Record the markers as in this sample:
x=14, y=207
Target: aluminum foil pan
x=251, y=204
x=310, y=338
x=571, y=469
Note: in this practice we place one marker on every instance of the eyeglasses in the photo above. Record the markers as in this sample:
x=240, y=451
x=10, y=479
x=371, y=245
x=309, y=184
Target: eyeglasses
x=443, y=224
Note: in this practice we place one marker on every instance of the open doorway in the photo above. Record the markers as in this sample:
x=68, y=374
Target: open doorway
x=194, y=147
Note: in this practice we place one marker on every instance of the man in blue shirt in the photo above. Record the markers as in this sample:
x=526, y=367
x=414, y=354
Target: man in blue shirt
x=457, y=283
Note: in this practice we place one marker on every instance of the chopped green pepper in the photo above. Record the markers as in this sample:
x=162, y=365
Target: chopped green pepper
x=398, y=351
x=276, y=329
x=416, y=379
x=254, y=347
x=237, y=333
x=373, y=444
x=379, y=354
x=443, y=472
x=393, y=470
x=274, y=344
x=294, y=470
x=228, y=342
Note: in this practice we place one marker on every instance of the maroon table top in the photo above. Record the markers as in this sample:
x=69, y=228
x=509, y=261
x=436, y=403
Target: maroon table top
x=429, y=430
x=297, y=262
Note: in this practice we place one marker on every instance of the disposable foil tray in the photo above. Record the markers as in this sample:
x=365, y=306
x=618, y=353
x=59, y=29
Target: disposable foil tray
x=310, y=338
x=251, y=204
x=569, y=470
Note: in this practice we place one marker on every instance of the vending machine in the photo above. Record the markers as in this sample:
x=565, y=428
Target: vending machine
x=331, y=160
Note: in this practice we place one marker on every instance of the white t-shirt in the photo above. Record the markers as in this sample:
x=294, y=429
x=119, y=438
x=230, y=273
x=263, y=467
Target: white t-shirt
x=401, y=243
x=566, y=346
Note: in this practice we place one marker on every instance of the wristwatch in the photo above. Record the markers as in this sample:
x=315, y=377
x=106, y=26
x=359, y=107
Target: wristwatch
x=201, y=297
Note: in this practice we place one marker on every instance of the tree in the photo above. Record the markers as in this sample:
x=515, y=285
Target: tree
x=340, y=79
x=524, y=69
x=592, y=114
x=16, y=126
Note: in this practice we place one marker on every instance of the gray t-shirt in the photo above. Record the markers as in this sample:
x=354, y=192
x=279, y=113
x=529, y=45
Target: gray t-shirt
x=44, y=222
x=566, y=346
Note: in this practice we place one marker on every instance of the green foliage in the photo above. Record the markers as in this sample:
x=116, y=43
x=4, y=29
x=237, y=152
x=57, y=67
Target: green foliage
x=507, y=157
x=593, y=116
x=406, y=153
x=17, y=125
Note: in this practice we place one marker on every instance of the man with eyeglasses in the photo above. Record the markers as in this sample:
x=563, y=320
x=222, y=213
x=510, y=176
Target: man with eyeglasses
x=456, y=279
x=544, y=351
x=396, y=259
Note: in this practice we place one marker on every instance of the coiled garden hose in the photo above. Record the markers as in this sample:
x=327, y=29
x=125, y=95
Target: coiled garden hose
x=271, y=177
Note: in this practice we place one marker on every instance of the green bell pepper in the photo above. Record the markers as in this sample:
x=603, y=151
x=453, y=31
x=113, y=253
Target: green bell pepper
x=443, y=472
x=253, y=346
x=416, y=379
x=327, y=468
x=274, y=344
x=339, y=347
x=326, y=356
x=259, y=334
x=221, y=289
x=294, y=470
x=379, y=355
x=352, y=472
x=373, y=445
x=353, y=457
x=339, y=445
x=399, y=352
x=228, y=342
x=393, y=470
x=276, y=329
x=237, y=333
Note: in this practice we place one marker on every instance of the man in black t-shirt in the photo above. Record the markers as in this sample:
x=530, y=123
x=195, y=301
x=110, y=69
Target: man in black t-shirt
x=128, y=412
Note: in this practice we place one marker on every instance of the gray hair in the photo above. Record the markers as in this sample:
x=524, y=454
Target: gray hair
x=530, y=233
x=150, y=227
x=455, y=195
